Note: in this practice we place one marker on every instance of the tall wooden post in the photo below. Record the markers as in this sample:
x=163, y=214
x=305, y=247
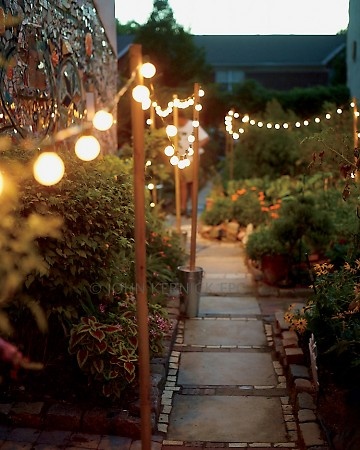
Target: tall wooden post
x=137, y=120
x=177, y=170
x=195, y=187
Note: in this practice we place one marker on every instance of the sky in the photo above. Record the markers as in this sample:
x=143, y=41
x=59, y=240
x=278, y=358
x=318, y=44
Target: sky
x=246, y=16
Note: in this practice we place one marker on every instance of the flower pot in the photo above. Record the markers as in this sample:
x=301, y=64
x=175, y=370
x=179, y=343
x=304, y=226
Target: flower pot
x=275, y=268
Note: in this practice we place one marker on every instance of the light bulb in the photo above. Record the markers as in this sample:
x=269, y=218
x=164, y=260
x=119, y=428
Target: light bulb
x=152, y=205
x=169, y=150
x=352, y=104
x=174, y=160
x=246, y=118
x=286, y=126
x=306, y=123
x=339, y=110
x=48, y=168
x=149, y=122
x=236, y=135
x=146, y=103
x=191, y=138
x=198, y=107
x=260, y=124
x=241, y=130
x=171, y=130
x=269, y=125
x=277, y=126
x=317, y=120
x=201, y=92
x=190, y=151
x=151, y=186
x=148, y=70
x=148, y=163
x=195, y=124
x=236, y=115
x=298, y=124
x=87, y=148
x=328, y=116
x=103, y=120
x=140, y=93
x=181, y=164
x=187, y=162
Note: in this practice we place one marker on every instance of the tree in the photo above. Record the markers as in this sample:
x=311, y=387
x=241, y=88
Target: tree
x=171, y=48
x=128, y=28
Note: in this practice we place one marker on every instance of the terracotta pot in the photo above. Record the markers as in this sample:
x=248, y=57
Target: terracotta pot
x=275, y=268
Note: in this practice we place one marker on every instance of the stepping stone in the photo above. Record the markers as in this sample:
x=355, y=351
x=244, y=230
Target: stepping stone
x=224, y=332
x=226, y=369
x=226, y=419
x=213, y=305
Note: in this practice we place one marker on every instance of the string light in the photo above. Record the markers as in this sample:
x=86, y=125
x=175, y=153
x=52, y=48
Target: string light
x=169, y=150
x=140, y=93
x=174, y=160
x=148, y=70
x=48, y=168
x=171, y=130
x=87, y=148
x=195, y=124
x=103, y=120
x=151, y=186
x=245, y=118
x=181, y=164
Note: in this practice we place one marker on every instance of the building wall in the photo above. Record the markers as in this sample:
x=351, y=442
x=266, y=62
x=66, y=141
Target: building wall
x=57, y=63
x=353, y=49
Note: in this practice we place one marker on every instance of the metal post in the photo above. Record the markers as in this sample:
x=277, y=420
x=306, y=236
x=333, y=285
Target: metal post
x=177, y=170
x=195, y=187
x=137, y=120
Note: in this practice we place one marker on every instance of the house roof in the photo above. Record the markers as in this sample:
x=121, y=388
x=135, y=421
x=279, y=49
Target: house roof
x=262, y=50
x=270, y=50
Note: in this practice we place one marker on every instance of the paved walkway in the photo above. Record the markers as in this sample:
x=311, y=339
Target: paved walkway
x=224, y=388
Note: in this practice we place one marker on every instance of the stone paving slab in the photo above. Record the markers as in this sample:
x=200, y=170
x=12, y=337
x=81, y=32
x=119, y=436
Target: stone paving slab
x=212, y=305
x=220, y=369
x=224, y=332
x=227, y=419
x=226, y=286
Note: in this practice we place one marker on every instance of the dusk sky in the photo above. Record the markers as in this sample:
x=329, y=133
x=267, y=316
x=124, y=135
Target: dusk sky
x=246, y=16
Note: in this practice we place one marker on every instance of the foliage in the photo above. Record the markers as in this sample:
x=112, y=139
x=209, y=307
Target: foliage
x=333, y=315
x=171, y=48
x=106, y=345
x=262, y=243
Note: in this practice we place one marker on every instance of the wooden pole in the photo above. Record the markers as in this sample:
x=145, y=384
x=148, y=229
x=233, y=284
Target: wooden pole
x=195, y=187
x=177, y=170
x=137, y=120
x=355, y=124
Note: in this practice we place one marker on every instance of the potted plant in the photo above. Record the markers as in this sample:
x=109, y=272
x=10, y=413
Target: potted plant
x=269, y=254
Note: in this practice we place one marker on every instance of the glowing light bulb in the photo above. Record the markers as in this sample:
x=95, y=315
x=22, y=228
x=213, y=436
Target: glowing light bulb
x=298, y=124
x=201, y=92
x=103, y=120
x=252, y=122
x=148, y=163
x=357, y=114
x=152, y=205
x=190, y=151
x=181, y=164
x=87, y=148
x=231, y=112
x=187, y=162
x=148, y=70
x=352, y=104
x=149, y=122
x=151, y=186
x=306, y=123
x=48, y=168
x=328, y=116
x=269, y=125
x=246, y=118
x=277, y=126
x=146, y=103
x=260, y=124
x=191, y=138
x=140, y=93
x=339, y=110
x=174, y=160
x=169, y=150
x=317, y=120
x=198, y=107
x=236, y=135
x=195, y=124
x=171, y=130
x=236, y=115
x=285, y=125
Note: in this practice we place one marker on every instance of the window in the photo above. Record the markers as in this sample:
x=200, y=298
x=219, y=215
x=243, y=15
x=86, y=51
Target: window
x=228, y=78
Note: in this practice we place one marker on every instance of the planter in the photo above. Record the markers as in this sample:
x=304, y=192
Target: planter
x=275, y=268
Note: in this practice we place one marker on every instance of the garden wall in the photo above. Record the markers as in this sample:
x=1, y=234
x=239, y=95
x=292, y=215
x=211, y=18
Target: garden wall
x=57, y=64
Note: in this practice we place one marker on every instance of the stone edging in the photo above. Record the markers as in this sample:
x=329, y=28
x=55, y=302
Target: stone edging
x=302, y=387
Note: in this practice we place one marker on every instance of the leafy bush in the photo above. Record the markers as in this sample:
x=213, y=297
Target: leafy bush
x=106, y=345
x=261, y=242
